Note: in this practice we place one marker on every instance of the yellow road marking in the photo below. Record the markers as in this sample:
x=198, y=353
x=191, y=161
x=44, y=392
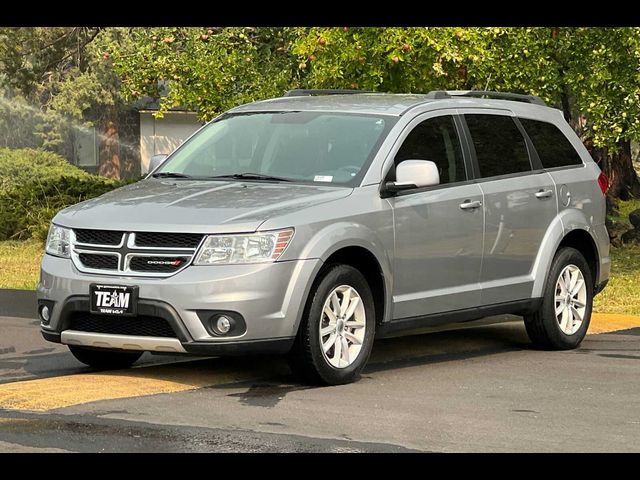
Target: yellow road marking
x=59, y=392
x=610, y=322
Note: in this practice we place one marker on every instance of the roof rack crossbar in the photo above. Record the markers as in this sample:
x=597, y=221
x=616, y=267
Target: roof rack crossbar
x=518, y=97
x=300, y=92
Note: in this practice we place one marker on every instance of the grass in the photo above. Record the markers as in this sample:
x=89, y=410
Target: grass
x=622, y=294
x=20, y=263
x=624, y=209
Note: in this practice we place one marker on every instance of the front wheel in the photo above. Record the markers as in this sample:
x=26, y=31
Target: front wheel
x=336, y=335
x=104, y=359
x=562, y=320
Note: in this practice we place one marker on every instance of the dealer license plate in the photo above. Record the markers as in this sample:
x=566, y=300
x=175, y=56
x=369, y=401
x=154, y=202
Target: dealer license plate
x=113, y=299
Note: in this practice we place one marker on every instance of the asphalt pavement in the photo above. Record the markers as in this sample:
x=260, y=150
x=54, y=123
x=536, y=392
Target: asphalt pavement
x=478, y=389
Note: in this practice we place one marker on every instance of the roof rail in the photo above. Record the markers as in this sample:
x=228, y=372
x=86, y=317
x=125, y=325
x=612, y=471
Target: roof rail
x=518, y=97
x=300, y=92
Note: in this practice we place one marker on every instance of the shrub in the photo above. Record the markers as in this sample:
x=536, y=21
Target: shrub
x=35, y=184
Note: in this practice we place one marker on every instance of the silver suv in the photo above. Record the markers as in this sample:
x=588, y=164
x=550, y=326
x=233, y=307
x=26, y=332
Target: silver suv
x=313, y=223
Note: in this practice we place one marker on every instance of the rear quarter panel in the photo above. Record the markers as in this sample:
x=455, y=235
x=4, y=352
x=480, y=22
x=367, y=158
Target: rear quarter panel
x=581, y=204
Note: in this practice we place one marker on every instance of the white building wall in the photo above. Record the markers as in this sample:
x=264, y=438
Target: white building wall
x=164, y=135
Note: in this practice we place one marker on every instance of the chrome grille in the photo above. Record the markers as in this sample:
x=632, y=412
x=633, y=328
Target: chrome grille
x=144, y=254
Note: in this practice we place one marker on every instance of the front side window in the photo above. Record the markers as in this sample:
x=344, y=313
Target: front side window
x=436, y=139
x=553, y=147
x=315, y=147
x=499, y=145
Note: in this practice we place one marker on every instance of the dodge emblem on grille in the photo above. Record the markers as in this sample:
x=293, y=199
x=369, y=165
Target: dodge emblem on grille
x=173, y=263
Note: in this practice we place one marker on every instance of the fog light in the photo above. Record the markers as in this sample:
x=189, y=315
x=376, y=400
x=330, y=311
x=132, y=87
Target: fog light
x=44, y=313
x=223, y=324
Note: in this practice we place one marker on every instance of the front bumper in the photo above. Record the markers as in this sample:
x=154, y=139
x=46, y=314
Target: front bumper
x=270, y=298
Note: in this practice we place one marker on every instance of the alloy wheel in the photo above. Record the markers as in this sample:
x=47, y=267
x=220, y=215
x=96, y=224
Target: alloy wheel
x=570, y=299
x=342, y=326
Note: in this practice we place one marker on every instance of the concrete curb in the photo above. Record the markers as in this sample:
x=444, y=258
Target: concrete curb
x=18, y=303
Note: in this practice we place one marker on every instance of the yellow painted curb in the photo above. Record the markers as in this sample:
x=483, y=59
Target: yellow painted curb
x=610, y=322
x=59, y=392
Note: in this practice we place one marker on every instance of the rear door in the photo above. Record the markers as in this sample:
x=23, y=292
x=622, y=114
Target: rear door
x=519, y=204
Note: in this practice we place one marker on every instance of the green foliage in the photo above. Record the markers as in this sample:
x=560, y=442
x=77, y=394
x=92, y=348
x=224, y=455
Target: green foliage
x=393, y=59
x=85, y=74
x=24, y=126
x=207, y=69
x=60, y=70
x=623, y=209
x=605, y=82
x=20, y=264
x=591, y=73
x=35, y=185
x=622, y=295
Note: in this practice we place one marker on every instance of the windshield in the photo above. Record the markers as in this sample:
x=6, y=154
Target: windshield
x=315, y=147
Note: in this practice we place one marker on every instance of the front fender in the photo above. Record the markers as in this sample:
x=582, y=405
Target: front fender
x=336, y=236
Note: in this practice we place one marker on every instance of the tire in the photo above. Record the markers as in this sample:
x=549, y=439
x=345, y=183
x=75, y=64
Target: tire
x=307, y=358
x=104, y=359
x=544, y=328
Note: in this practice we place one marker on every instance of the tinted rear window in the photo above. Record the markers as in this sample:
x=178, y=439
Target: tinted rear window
x=500, y=147
x=554, y=149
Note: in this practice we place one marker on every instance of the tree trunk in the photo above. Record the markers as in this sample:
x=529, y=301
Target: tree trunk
x=618, y=167
x=109, y=157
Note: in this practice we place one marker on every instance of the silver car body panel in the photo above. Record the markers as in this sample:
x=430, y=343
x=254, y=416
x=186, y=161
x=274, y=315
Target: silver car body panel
x=434, y=257
x=194, y=206
x=267, y=295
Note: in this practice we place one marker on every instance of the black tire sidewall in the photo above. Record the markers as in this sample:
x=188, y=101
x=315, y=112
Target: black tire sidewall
x=559, y=339
x=333, y=277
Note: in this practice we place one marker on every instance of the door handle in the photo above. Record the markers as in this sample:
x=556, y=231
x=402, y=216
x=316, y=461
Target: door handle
x=544, y=193
x=469, y=205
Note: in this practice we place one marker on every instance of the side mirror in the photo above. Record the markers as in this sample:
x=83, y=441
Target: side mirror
x=156, y=161
x=414, y=174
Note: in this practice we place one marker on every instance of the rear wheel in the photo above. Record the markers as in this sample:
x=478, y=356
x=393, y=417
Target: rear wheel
x=562, y=320
x=336, y=335
x=104, y=359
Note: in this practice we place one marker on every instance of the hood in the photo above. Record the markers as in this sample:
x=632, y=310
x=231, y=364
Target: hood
x=195, y=206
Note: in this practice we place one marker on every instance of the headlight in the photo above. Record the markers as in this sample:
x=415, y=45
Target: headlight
x=246, y=248
x=59, y=241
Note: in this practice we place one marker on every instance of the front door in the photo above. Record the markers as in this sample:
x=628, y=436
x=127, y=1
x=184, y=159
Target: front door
x=438, y=230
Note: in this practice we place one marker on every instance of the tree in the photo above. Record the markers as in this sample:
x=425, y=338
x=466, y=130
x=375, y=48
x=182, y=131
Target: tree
x=33, y=60
x=64, y=74
x=205, y=69
x=605, y=82
x=590, y=73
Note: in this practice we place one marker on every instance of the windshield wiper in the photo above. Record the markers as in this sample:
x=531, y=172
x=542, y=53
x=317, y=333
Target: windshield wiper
x=170, y=175
x=253, y=176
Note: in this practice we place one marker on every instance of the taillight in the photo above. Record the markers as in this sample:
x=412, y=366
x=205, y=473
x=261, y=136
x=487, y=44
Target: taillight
x=603, y=183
